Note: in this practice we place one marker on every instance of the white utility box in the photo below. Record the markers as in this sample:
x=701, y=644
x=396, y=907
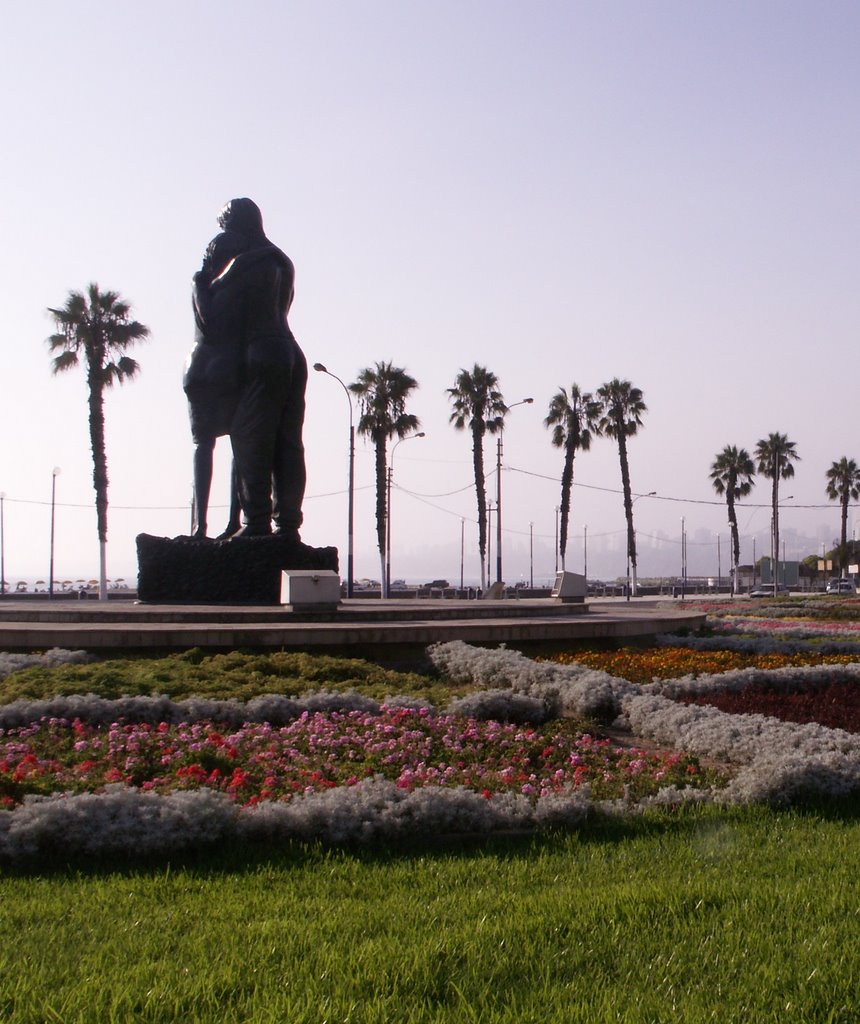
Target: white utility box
x=569, y=586
x=310, y=588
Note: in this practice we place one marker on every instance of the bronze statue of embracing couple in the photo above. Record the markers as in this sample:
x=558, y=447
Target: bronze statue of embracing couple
x=246, y=377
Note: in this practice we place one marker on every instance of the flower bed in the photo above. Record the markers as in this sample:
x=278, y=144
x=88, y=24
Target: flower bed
x=410, y=747
x=835, y=705
x=642, y=665
x=86, y=774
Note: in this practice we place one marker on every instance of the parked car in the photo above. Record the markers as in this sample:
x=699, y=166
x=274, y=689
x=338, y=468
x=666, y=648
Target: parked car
x=766, y=590
x=841, y=587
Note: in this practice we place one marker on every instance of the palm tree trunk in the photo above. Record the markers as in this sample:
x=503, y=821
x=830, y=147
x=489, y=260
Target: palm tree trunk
x=566, y=485
x=628, y=508
x=100, y=476
x=775, y=536
x=843, y=547
x=381, y=510
x=481, y=494
x=736, y=543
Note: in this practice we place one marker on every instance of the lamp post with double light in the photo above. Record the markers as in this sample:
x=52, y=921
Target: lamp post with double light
x=523, y=401
x=387, y=581
x=320, y=368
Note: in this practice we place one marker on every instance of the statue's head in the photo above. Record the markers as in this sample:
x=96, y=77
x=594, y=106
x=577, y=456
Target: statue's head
x=243, y=216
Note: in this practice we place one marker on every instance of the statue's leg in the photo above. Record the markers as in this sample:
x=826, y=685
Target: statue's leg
x=289, y=473
x=203, y=450
x=235, y=523
x=253, y=438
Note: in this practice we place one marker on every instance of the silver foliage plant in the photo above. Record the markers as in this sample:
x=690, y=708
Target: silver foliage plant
x=123, y=820
x=10, y=663
x=564, y=689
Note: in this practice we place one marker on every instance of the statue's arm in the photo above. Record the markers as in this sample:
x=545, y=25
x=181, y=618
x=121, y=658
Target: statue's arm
x=201, y=298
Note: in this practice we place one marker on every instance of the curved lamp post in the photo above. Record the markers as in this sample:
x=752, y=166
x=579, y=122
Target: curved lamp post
x=523, y=401
x=351, y=500
x=409, y=437
x=650, y=494
x=55, y=472
x=2, y=545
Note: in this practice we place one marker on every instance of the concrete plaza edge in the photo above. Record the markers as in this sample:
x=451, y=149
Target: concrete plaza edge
x=355, y=624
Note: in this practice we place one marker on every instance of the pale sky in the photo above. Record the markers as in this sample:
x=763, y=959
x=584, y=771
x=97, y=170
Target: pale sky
x=562, y=191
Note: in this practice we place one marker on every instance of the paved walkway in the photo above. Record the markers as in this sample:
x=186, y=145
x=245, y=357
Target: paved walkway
x=355, y=624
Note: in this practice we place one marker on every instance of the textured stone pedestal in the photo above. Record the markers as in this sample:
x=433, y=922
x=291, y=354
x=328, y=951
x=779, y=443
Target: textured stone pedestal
x=244, y=570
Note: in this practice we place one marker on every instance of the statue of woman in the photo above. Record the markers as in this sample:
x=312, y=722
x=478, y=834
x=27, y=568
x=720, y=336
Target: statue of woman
x=213, y=371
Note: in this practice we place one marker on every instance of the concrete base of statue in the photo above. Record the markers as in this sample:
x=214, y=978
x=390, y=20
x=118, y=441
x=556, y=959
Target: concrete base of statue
x=242, y=570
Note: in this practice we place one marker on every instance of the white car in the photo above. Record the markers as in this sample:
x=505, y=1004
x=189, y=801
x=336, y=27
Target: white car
x=766, y=590
x=841, y=587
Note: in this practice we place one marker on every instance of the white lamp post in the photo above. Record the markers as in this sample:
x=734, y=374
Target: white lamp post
x=351, y=499
x=2, y=545
x=523, y=401
x=387, y=580
x=55, y=472
x=650, y=494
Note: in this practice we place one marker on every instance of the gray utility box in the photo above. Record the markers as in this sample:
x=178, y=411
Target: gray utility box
x=308, y=588
x=569, y=586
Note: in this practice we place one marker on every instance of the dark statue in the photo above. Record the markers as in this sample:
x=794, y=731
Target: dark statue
x=246, y=377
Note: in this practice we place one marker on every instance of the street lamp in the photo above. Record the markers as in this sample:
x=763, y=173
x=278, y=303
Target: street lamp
x=650, y=494
x=774, y=546
x=55, y=472
x=351, y=501
x=409, y=437
x=2, y=546
x=556, y=539
x=462, y=551
x=585, y=554
x=523, y=401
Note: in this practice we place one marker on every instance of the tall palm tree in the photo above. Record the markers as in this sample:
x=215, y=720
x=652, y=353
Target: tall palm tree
x=843, y=485
x=382, y=391
x=574, y=419
x=478, y=403
x=775, y=455
x=98, y=327
x=732, y=474
x=621, y=417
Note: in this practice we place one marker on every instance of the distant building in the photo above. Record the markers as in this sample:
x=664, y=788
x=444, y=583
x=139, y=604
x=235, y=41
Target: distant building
x=788, y=573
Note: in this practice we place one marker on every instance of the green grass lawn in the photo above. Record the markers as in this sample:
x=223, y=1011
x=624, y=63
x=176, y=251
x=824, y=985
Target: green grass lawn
x=728, y=916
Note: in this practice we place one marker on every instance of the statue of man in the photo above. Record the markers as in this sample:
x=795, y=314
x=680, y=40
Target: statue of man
x=249, y=300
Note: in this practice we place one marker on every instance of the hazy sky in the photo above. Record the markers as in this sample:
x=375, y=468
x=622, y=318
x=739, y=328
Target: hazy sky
x=562, y=191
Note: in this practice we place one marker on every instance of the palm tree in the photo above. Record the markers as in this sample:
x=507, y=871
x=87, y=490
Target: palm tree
x=732, y=472
x=843, y=485
x=382, y=391
x=621, y=417
x=775, y=455
x=97, y=326
x=574, y=420
x=477, y=401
